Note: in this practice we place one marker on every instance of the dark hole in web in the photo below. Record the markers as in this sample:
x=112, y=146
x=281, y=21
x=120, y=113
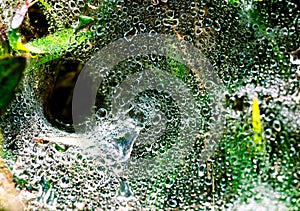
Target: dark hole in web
x=58, y=100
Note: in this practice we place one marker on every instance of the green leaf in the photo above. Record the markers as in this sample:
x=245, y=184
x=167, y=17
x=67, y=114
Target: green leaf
x=56, y=42
x=84, y=21
x=4, y=48
x=11, y=72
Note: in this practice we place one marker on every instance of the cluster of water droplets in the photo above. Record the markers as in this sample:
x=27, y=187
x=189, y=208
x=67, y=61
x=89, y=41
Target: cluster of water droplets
x=249, y=53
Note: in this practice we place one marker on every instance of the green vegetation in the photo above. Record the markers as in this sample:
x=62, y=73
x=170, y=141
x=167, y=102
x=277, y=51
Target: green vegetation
x=258, y=145
x=11, y=72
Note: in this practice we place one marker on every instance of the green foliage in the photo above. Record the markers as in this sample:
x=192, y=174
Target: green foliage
x=56, y=42
x=242, y=151
x=22, y=183
x=84, y=21
x=61, y=148
x=11, y=72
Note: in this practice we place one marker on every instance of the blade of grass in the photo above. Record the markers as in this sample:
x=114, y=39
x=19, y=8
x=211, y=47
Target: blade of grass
x=257, y=126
